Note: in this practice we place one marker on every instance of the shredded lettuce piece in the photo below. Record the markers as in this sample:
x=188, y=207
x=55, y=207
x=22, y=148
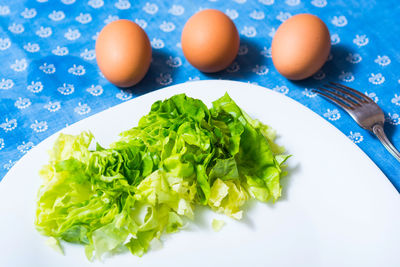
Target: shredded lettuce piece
x=217, y=225
x=55, y=244
x=149, y=182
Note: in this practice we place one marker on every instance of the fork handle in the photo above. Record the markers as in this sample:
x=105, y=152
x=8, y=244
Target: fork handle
x=377, y=129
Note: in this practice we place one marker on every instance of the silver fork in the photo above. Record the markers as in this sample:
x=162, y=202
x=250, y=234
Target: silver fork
x=361, y=108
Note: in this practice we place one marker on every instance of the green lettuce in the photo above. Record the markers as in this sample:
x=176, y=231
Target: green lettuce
x=149, y=182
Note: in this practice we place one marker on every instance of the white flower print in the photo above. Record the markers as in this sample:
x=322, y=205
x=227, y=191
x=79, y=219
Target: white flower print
x=339, y=21
x=393, y=119
x=35, y=87
x=68, y=2
x=373, y=96
x=234, y=67
x=396, y=100
x=267, y=2
x=157, y=43
x=266, y=52
x=124, y=95
x=356, y=137
x=60, y=51
x=332, y=115
x=9, y=125
x=48, y=69
x=56, y=15
x=319, y=3
x=164, y=79
x=88, y=54
x=243, y=50
x=95, y=90
x=22, y=103
x=272, y=32
x=28, y=13
x=4, y=10
x=257, y=15
x=111, y=18
x=192, y=79
x=361, y=40
x=2, y=144
x=232, y=14
x=84, y=18
x=82, y=109
x=249, y=31
x=150, y=8
x=260, y=70
x=240, y=1
x=174, y=62
x=5, y=43
x=72, y=34
x=320, y=75
x=176, y=10
x=282, y=16
x=382, y=60
x=346, y=76
x=309, y=92
x=44, y=32
x=19, y=65
x=354, y=58
x=141, y=22
x=200, y=9
x=25, y=147
x=39, y=126
x=167, y=26
x=255, y=83
x=77, y=70
x=122, y=4
x=9, y=164
x=96, y=3
x=53, y=106
x=335, y=39
x=376, y=78
x=292, y=2
x=281, y=89
x=66, y=89
x=94, y=37
x=16, y=28
x=32, y=48
x=6, y=84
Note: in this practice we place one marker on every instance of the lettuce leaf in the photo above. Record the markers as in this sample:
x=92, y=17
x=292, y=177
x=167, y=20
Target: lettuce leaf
x=217, y=225
x=149, y=182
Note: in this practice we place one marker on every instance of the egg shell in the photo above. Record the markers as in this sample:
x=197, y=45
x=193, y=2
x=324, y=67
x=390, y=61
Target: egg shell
x=210, y=40
x=123, y=52
x=300, y=46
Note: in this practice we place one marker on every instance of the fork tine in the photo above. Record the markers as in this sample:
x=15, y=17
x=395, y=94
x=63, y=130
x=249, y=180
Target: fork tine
x=361, y=95
x=346, y=94
x=322, y=91
x=339, y=97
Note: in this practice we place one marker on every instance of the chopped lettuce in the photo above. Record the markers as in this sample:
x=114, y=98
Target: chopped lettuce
x=148, y=182
x=217, y=225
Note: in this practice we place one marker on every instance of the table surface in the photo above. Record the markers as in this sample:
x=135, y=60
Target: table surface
x=49, y=78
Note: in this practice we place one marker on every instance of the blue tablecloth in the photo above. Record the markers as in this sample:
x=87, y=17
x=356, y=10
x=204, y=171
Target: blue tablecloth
x=49, y=77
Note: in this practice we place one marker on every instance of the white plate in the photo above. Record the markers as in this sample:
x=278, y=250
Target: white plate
x=337, y=209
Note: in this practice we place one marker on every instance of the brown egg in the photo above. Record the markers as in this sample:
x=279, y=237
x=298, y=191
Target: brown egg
x=123, y=52
x=300, y=46
x=210, y=40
